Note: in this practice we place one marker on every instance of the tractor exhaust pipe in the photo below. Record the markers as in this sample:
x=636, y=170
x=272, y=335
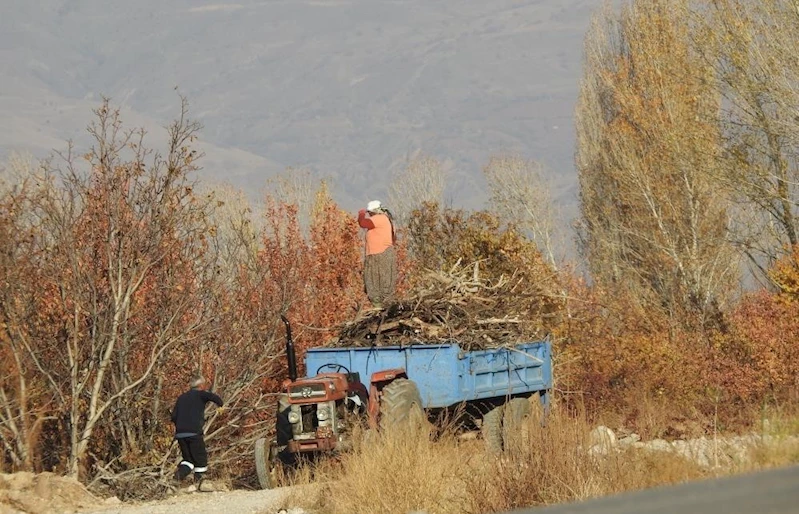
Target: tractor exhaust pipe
x=291, y=355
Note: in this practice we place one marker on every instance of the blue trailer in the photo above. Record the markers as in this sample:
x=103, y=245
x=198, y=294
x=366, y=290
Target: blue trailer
x=444, y=374
x=399, y=386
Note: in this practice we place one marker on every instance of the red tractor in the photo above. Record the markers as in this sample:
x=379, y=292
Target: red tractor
x=317, y=414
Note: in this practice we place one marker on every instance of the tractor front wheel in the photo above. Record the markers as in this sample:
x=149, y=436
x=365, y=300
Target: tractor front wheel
x=268, y=463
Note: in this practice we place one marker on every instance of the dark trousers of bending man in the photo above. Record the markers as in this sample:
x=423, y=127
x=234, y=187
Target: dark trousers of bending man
x=189, y=417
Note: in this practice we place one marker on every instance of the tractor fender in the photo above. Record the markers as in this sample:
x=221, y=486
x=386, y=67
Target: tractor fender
x=377, y=382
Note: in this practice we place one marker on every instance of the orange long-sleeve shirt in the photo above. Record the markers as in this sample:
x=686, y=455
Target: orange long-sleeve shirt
x=379, y=234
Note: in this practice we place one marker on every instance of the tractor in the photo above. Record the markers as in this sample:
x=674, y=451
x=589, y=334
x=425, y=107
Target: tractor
x=316, y=414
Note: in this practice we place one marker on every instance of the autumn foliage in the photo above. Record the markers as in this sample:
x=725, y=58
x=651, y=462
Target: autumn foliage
x=119, y=278
x=634, y=368
x=119, y=281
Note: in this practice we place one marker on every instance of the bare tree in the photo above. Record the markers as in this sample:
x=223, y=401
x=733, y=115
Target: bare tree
x=20, y=169
x=520, y=192
x=752, y=47
x=235, y=231
x=296, y=186
x=421, y=182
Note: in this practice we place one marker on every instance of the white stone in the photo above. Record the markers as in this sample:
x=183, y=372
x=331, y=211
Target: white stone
x=659, y=445
x=603, y=438
x=629, y=440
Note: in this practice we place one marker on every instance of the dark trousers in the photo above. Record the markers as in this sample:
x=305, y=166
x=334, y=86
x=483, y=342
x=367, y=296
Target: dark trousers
x=380, y=276
x=195, y=458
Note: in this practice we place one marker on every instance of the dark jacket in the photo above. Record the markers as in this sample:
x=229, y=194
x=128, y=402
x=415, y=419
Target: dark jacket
x=189, y=412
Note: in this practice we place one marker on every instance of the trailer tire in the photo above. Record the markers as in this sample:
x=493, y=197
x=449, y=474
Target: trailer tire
x=265, y=464
x=401, y=405
x=492, y=430
x=516, y=423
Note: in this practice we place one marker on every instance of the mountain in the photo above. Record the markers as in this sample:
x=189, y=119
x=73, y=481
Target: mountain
x=347, y=89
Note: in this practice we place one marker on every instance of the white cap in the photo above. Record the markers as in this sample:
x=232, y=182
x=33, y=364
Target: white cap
x=373, y=206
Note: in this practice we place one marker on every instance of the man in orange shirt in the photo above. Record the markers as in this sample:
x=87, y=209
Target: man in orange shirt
x=380, y=264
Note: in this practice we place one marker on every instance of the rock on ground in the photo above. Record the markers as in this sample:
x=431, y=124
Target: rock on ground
x=601, y=441
x=43, y=493
x=706, y=452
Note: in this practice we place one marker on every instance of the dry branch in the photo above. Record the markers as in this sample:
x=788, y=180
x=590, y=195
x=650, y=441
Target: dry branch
x=448, y=306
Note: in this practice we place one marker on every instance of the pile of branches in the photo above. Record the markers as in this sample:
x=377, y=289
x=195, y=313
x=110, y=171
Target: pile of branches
x=450, y=306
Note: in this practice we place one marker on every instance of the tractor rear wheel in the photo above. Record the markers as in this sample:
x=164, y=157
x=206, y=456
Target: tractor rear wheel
x=492, y=429
x=401, y=405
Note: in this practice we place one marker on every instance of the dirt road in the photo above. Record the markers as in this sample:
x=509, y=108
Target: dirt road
x=229, y=502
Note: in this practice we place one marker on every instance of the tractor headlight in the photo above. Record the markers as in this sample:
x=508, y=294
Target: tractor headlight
x=294, y=417
x=322, y=413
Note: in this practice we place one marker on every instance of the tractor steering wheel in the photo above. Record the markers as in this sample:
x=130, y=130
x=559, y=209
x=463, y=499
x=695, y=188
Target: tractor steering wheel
x=337, y=367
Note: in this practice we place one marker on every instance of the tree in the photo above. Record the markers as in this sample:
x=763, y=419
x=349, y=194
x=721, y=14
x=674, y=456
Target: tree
x=117, y=280
x=296, y=186
x=520, y=193
x=422, y=181
x=647, y=151
x=26, y=402
x=752, y=46
x=336, y=286
x=234, y=240
x=122, y=242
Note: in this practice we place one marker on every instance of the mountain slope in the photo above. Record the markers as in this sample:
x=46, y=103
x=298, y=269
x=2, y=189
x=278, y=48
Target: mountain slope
x=348, y=89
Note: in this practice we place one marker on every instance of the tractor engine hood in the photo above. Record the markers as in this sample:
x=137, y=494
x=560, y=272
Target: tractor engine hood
x=323, y=388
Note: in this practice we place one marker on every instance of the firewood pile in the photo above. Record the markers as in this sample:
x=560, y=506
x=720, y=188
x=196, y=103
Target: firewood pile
x=448, y=306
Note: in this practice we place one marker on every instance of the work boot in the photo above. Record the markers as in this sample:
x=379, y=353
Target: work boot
x=182, y=472
x=198, y=480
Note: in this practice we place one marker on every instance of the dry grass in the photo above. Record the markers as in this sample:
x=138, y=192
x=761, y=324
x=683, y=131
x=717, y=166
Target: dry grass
x=783, y=452
x=782, y=429
x=396, y=472
x=400, y=472
x=552, y=465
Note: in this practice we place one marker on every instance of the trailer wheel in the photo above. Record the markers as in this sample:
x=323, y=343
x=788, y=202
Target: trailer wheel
x=401, y=405
x=516, y=423
x=492, y=430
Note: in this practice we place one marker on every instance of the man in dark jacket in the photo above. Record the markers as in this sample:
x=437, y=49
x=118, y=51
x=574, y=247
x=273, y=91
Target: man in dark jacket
x=188, y=417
